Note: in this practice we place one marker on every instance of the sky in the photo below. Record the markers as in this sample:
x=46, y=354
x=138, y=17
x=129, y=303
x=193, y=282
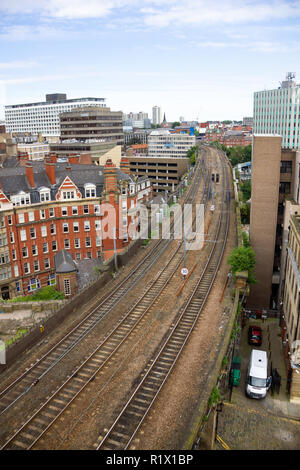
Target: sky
x=197, y=59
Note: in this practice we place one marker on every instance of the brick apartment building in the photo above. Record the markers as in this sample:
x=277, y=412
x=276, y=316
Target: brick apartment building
x=229, y=138
x=50, y=208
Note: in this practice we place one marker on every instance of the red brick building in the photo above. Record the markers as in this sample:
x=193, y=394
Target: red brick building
x=49, y=206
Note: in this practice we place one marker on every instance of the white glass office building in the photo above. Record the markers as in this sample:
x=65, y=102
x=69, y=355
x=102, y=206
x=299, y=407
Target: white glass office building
x=44, y=117
x=277, y=112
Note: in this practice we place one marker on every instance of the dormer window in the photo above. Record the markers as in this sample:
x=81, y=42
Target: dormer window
x=90, y=190
x=20, y=199
x=44, y=194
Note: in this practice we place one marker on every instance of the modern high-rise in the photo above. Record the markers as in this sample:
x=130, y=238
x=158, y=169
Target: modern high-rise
x=43, y=117
x=277, y=111
x=156, y=115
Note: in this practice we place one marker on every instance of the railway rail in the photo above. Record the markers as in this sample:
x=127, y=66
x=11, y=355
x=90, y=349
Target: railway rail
x=31, y=432
x=37, y=371
x=125, y=427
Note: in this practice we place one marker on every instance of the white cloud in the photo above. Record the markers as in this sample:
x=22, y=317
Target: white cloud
x=161, y=12
x=17, y=64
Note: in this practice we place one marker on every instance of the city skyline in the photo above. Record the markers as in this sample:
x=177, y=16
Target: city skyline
x=201, y=62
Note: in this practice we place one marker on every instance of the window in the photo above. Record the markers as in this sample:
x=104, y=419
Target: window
x=98, y=241
x=51, y=212
x=88, y=242
x=98, y=224
x=46, y=263
x=97, y=209
x=4, y=257
x=26, y=268
x=90, y=190
x=3, y=239
x=23, y=235
x=85, y=209
x=20, y=199
x=14, y=255
x=16, y=271
x=18, y=286
x=9, y=219
x=31, y=216
x=67, y=244
x=44, y=230
x=33, y=285
x=21, y=219
x=65, y=228
x=51, y=280
x=67, y=286
x=68, y=195
x=42, y=213
x=54, y=245
x=86, y=225
x=36, y=265
x=64, y=211
x=89, y=255
x=12, y=237
x=76, y=226
x=45, y=247
x=34, y=250
x=74, y=210
x=44, y=194
x=52, y=229
x=77, y=243
x=32, y=233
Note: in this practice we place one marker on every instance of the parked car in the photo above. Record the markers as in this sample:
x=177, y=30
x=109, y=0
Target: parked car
x=255, y=335
x=258, y=382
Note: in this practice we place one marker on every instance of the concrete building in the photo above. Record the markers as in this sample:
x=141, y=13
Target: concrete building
x=164, y=172
x=92, y=122
x=35, y=150
x=275, y=179
x=44, y=116
x=277, y=111
x=161, y=143
x=156, y=115
x=90, y=130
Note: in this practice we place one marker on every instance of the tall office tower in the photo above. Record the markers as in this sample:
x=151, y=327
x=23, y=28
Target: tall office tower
x=156, y=115
x=43, y=117
x=278, y=112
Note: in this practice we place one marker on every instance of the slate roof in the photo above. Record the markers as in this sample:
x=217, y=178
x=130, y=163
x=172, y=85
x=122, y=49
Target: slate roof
x=13, y=178
x=64, y=262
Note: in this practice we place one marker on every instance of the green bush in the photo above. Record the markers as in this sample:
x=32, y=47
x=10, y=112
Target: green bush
x=46, y=293
x=242, y=258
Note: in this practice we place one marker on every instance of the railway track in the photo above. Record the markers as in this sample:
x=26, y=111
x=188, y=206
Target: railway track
x=37, y=371
x=125, y=427
x=40, y=422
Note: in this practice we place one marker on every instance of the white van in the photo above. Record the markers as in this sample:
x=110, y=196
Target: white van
x=258, y=382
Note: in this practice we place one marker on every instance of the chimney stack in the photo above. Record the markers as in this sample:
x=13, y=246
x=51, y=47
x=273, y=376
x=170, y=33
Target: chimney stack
x=124, y=165
x=50, y=170
x=29, y=174
x=110, y=179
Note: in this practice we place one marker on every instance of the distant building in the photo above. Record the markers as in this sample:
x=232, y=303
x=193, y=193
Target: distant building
x=248, y=121
x=91, y=130
x=164, y=144
x=277, y=112
x=164, y=172
x=35, y=150
x=156, y=115
x=44, y=116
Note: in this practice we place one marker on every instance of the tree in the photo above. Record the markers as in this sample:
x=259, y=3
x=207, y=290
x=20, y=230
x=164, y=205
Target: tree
x=246, y=190
x=192, y=153
x=175, y=124
x=242, y=258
